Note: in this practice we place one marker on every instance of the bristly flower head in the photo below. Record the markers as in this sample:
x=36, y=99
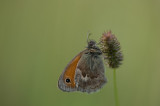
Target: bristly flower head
x=111, y=50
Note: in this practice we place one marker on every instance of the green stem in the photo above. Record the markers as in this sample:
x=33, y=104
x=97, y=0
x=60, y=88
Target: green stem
x=115, y=88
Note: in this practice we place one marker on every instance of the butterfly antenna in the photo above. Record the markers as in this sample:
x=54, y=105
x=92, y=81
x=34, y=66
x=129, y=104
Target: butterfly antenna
x=88, y=34
x=98, y=43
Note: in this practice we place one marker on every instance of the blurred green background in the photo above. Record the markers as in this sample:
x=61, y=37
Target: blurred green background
x=39, y=37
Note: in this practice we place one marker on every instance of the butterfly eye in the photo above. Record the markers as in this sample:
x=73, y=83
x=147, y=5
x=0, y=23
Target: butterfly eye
x=68, y=80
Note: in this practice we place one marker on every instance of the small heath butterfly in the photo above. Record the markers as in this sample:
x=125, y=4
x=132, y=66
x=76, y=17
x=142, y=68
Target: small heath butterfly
x=85, y=72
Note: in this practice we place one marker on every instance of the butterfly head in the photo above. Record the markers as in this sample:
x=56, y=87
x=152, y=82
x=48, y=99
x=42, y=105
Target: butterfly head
x=91, y=44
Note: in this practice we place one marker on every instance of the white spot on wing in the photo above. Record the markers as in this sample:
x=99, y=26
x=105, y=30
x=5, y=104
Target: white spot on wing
x=81, y=76
x=84, y=78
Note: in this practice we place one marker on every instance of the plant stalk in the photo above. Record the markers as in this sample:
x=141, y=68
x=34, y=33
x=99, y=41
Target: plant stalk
x=115, y=88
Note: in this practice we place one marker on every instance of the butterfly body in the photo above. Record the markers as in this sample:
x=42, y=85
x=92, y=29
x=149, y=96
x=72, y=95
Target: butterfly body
x=85, y=72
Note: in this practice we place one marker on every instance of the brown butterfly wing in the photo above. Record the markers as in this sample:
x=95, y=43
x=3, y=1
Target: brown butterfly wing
x=90, y=72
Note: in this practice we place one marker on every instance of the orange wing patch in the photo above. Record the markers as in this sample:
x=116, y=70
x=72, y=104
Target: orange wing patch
x=70, y=71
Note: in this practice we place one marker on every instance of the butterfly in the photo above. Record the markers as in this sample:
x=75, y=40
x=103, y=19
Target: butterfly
x=85, y=72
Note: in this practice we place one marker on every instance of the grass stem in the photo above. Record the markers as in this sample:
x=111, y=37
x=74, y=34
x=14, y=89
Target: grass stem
x=115, y=88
